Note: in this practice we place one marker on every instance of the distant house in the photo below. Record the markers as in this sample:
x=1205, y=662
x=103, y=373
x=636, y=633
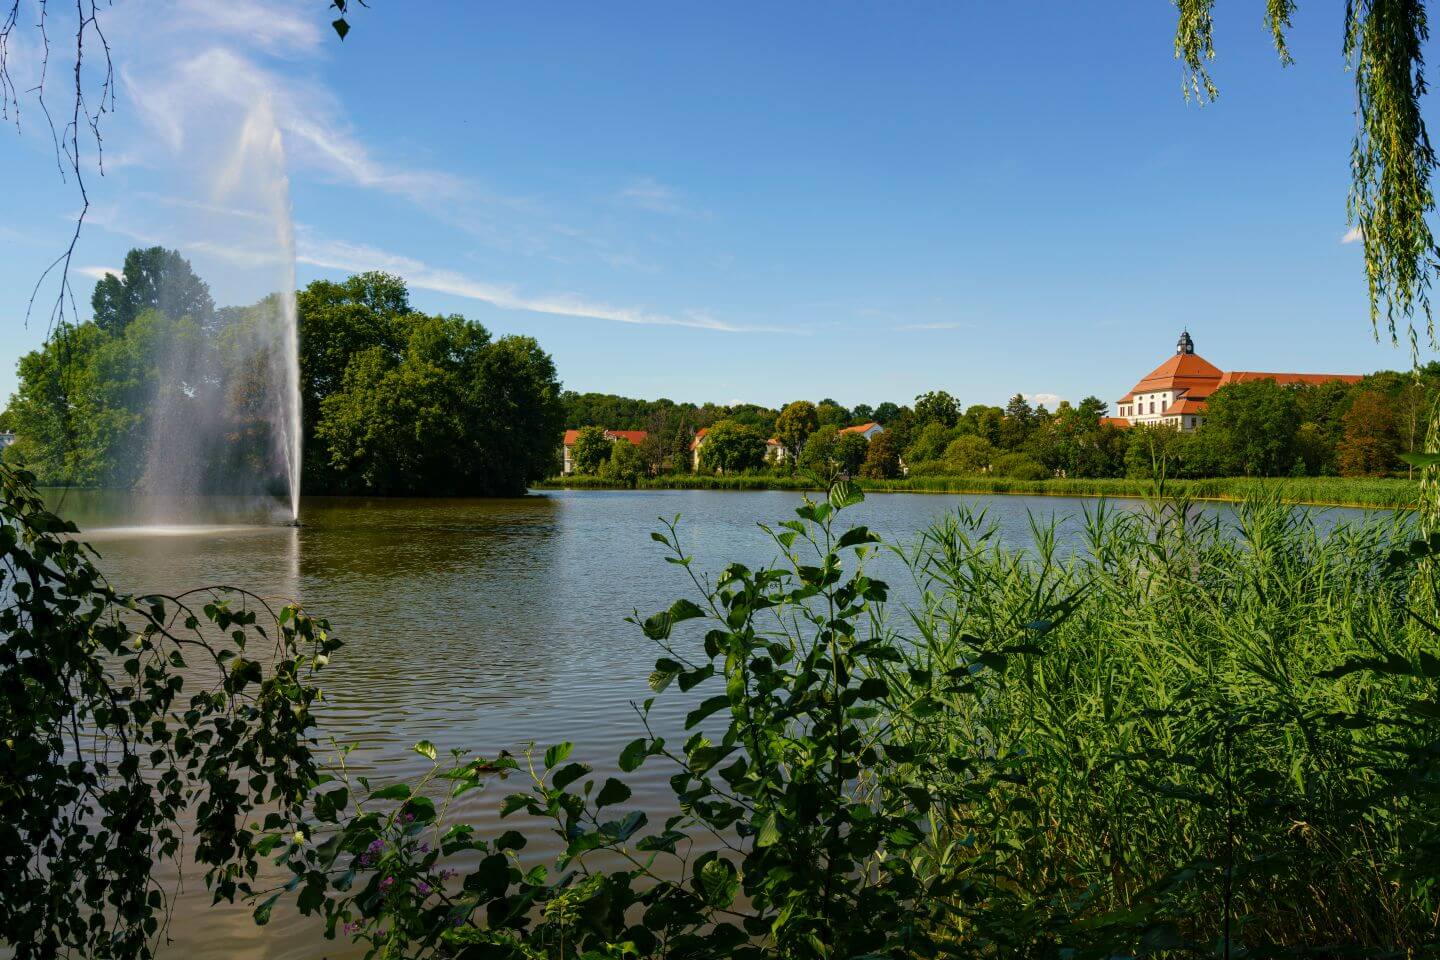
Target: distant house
x=695, y=445
x=775, y=451
x=567, y=461
x=6, y=438
x=867, y=430
x=1174, y=393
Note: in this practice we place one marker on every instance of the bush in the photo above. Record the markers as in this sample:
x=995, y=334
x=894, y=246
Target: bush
x=1018, y=466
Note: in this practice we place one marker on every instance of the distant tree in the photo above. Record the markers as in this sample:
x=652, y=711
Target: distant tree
x=937, y=406
x=794, y=425
x=731, y=447
x=849, y=452
x=761, y=419
x=882, y=458
x=452, y=414
x=1092, y=408
x=152, y=279
x=625, y=464
x=1016, y=426
x=830, y=413
x=983, y=421
x=969, y=454
x=1153, y=452
x=886, y=412
x=862, y=413
x=929, y=442
x=1258, y=420
x=1370, y=445
x=818, y=457
x=590, y=449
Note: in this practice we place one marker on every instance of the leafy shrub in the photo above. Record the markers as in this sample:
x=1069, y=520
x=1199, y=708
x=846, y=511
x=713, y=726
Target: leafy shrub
x=109, y=748
x=1018, y=466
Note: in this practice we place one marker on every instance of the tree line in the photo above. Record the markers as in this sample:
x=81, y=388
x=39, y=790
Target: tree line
x=393, y=400
x=1253, y=428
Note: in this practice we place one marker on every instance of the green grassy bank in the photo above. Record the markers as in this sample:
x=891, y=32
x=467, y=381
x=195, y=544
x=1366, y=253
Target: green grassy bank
x=1322, y=491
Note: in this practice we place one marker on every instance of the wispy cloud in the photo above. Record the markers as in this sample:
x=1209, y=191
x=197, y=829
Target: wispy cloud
x=351, y=257
x=1050, y=400
x=649, y=194
x=938, y=325
x=97, y=273
x=277, y=28
x=1354, y=235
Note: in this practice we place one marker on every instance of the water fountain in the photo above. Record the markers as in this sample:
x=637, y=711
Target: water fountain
x=226, y=416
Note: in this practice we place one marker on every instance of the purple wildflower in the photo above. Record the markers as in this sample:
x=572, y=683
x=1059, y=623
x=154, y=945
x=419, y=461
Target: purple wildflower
x=423, y=888
x=386, y=884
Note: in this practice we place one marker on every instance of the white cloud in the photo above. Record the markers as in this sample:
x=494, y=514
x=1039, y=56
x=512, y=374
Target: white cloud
x=97, y=273
x=654, y=196
x=938, y=325
x=1050, y=400
x=1353, y=235
x=340, y=255
x=275, y=28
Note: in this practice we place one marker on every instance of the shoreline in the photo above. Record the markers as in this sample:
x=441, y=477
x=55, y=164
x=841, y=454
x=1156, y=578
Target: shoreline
x=1363, y=493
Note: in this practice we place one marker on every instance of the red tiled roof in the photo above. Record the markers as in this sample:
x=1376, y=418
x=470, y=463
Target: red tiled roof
x=860, y=427
x=636, y=437
x=1185, y=405
x=699, y=435
x=1115, y=421
x=1183, y=371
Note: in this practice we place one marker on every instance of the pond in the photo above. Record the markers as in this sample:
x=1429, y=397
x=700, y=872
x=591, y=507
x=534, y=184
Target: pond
x=481, y=624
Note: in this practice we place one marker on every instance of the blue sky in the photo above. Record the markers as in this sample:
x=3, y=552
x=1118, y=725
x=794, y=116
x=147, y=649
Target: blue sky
x=755, y=201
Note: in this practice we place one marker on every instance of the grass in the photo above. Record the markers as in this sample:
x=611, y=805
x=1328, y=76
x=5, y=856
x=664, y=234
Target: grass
x=1201, y=720
x=1376, y=493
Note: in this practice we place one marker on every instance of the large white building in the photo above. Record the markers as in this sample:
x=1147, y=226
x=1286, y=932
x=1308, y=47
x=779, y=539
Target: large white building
x=1174, y=393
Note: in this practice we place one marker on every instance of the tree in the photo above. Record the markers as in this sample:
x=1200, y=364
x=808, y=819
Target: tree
x=862, y=413
x=818, y=457
x=590, y=449
x=849, y=452
x=937, y=406
x=1370, y=446
x=929, y=443
x=882, y=458
x=968, y=455
x=886, y=412
x=1258, y=420
x=625, y=465
x=794, y=425
x=731, y=447
x=453, y=414
x=830, y=413
x=152, y=279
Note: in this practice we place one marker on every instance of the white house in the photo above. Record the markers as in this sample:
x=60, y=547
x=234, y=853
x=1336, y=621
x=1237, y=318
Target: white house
x=567, y=462
x=1174, y=393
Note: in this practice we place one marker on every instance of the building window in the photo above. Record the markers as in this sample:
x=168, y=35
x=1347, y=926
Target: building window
x=1152, y=406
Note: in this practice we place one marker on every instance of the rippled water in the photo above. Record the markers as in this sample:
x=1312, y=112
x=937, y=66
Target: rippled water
x=477, y=624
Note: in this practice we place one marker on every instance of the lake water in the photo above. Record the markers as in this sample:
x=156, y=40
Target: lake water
x=480, y=624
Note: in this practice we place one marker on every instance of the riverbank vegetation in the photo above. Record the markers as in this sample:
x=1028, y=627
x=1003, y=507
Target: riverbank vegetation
x=1367, y=492
x=393, y=401
x=1254, y=429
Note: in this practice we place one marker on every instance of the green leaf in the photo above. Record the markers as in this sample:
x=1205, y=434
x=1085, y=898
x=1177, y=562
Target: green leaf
x=717, y=702
x=341, y=27
x=426, y=749
x=717, y=882
x=767, y=831
x=568, y=774
x=1421, y=459
x=845, y=493
x=396, y=791
x=633, y=755
x=557, y=754
x=612, y=793
x=262, y=912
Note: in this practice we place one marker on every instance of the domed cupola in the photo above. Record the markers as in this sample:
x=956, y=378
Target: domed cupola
x=1184, y=345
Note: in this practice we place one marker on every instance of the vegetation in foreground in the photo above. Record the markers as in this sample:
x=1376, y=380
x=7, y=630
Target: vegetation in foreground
x=1386, y=494
x=1189, y=737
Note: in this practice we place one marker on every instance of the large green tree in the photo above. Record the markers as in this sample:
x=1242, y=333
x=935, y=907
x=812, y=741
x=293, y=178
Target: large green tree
x=794, y=425
x=1257, y=421
x=152, y=279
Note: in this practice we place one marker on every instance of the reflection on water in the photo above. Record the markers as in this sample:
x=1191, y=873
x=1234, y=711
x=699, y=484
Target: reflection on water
x=480, y=624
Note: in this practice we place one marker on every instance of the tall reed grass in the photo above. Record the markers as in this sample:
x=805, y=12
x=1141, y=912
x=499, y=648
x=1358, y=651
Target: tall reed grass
x=1222, y=730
